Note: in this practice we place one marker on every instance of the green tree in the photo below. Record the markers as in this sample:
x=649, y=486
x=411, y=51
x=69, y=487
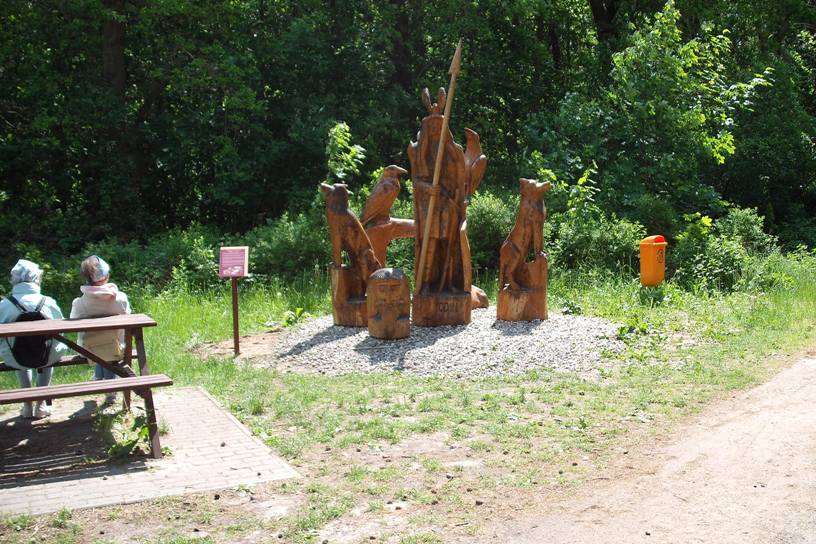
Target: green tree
x=666, y=115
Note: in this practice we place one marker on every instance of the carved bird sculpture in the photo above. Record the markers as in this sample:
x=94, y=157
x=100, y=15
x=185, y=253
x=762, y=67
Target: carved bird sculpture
x=378, y=206
x=475, y=161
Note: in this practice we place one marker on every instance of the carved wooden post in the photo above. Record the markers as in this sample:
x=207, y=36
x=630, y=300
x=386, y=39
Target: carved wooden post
x=348, y=281
x=381, y=228
x=381, y=235
x=523, y=285
x=389, y=304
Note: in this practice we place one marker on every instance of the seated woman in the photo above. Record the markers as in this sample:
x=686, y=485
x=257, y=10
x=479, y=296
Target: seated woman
x=25, y=296
x=100, y=298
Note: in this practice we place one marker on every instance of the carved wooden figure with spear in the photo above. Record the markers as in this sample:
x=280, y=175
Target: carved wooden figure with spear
x=444, y=177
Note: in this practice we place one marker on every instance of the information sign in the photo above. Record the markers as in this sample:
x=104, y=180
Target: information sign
x=233, y=262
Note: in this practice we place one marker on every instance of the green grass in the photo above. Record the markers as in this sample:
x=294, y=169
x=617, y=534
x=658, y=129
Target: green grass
x=17, y=523
x=733, y=335
x=683, y=349
x=62, y=519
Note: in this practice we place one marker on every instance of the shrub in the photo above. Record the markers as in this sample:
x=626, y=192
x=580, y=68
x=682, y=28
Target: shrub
x=745, y=226
x=689, y=243
x=290, y=244
x=656, y=214
x=187, y=255
x=729, y=254
x=584, y=236
x=798, y=229
x=490, y=219
x=598, y=241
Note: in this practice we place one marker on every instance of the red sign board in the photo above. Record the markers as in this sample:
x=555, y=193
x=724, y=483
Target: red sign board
x=233, y=262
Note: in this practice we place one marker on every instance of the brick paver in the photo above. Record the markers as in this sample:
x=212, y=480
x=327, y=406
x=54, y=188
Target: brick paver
x=210, y=450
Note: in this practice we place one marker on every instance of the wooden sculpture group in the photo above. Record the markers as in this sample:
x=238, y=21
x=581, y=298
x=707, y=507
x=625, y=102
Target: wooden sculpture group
x=444, y=175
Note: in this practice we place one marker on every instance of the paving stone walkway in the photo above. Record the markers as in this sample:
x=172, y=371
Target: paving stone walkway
x=45, y=466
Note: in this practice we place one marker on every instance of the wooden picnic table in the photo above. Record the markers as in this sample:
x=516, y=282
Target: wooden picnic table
x=133, y=325
x=57, y=328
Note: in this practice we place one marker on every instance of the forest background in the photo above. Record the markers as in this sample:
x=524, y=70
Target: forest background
x=152, y=132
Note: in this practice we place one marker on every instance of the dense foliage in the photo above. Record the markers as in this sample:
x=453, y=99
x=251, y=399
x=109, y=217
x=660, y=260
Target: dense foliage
x=123, y=123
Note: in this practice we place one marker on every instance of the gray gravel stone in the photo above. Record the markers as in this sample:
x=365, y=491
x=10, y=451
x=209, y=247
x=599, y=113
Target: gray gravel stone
x=485, y=347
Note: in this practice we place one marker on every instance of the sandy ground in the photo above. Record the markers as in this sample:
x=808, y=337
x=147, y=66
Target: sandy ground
x=251, y=346
x=744, y=471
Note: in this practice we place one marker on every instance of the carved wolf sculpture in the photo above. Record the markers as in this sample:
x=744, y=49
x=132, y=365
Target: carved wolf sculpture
x=346, y=232
x=527, y=232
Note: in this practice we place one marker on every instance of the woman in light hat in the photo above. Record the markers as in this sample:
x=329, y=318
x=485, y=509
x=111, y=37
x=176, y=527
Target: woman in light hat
x=25, y=297
x=100, y=298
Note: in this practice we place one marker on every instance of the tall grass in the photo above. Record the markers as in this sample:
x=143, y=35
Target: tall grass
x=187, y=317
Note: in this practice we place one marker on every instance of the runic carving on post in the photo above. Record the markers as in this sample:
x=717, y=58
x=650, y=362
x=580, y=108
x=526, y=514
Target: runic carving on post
x=522, y=284
x=348, y=281
x=389, y=304
x=443, y=294
x=380, y=226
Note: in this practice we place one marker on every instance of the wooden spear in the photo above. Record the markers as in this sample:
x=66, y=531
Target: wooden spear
x=423, y=253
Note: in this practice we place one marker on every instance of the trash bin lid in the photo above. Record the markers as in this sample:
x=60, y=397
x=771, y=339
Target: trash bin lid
x=653, y=240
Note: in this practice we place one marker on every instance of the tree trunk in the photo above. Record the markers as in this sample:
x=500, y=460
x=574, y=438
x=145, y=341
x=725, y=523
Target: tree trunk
x=126, y=174
x=603, y=14
x=113, y=53
x=408, y=42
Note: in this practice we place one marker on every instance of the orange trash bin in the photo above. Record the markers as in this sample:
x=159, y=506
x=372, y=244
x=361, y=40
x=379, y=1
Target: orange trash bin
x=652, y=260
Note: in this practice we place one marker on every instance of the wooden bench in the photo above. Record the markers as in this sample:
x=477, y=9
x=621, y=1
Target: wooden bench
x=142, y=385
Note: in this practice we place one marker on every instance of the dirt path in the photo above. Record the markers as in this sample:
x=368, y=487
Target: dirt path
x=742, y=472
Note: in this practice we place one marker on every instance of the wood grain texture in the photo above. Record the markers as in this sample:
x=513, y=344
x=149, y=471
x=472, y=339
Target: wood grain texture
x=525, y=304
x=389, y=304
x=50, y=327
x=441, y=309
x=523, y=285
x=348, y=237
x=348, y=297
x=478, y=298
x=377, y=209
x=381, y=228
x=135, y=383
x=441, y=229
x=382, y=235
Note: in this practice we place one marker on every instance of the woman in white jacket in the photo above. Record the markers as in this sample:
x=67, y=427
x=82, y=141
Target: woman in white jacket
x=100, y=298
x=25, y=280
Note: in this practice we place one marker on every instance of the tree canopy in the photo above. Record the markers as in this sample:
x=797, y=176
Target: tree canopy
x=123, y=118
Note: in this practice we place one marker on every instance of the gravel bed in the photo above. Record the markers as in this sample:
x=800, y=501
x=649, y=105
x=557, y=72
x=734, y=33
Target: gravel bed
x=485, y=347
